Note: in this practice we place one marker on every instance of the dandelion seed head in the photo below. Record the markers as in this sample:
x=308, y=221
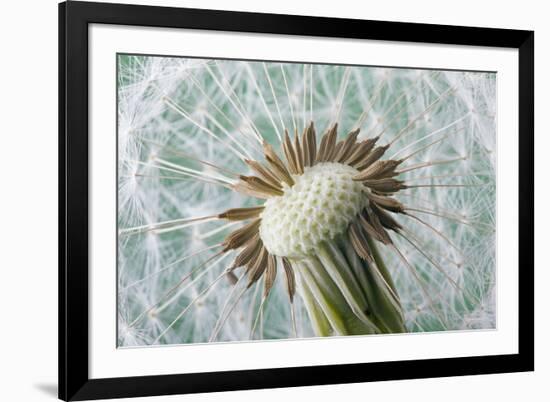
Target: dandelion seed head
x=317, y=208
x=222, y=97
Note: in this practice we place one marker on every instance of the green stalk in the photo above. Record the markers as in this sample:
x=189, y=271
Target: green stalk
x=385, y=307
x=345, y=295
x=320, y=323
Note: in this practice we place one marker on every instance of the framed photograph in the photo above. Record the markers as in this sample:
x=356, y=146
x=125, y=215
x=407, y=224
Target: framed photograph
x=257, y=201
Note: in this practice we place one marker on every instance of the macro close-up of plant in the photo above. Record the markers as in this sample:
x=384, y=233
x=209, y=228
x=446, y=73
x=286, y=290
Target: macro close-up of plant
x=274, y=200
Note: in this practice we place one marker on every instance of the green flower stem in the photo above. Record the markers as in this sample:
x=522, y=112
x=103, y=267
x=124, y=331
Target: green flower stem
x=344, y=295
x=328, y=301
x=385, y=308
x=381, y=264
x=319, y=321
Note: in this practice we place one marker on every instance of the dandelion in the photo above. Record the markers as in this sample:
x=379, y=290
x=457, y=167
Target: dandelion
x=238, y=220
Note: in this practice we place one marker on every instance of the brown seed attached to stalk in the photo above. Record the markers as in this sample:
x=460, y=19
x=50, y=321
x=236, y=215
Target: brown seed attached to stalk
x=328, y=141
x=359, y=242
x=277, y=165
x=349, y=145
x=372, y=157
x=240, y=236
x=374, y=228
x=379, y=169
x=270, y=274
x=255, y=269
x=290, y=154
x=385, y=218
x=241, y=214
x=261, y=186
x=290, y=279
x=386, y=185
x=391, y=204
x=308, y=145
x=250, y=250
x=264, y=173
x=298, y=153
x=361, y=150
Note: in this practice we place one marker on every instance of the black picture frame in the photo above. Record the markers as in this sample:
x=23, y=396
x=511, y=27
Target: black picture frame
x=74, y=18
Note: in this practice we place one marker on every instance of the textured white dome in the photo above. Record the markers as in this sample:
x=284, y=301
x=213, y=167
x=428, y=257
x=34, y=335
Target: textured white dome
x=318, y=207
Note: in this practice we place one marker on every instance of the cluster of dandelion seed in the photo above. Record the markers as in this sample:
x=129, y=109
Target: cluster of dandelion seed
x=181, y=119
